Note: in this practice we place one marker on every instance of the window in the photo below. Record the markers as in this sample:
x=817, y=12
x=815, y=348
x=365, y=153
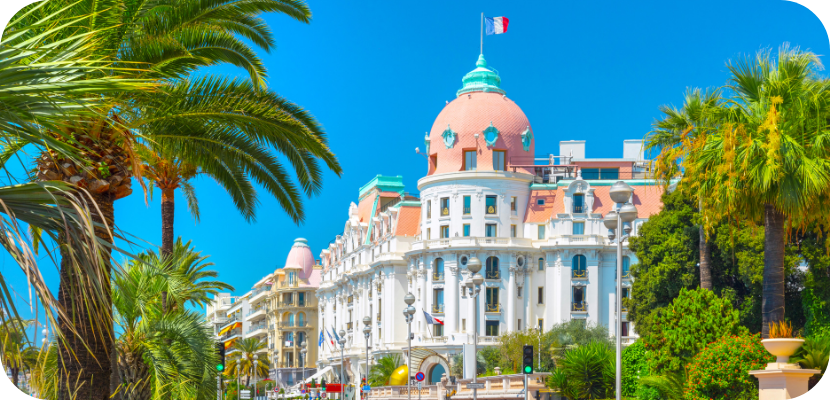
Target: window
x=469, y=160
x=498, y=160
x=445, y=231
x=438, y=271
x=578, y=266
x=438, y=330
x=492, y=268
x=429, y=209
x=579, y=204
x=541, y=264
x=600, y=173
x=579, y=299
x=625, y=329
x=540, y=298
x=466, y=230
x=463, y=324
x=490, y=205
x=626, y=270
x=540, y=202
x=513, y=205
x=512, y=230
x=429, y=233
x=579, y=228
x=519, y=325
x=490, y=230
x=434, y=161
x=466, y=205
x=445, y=206
x=541, y=324
x=492, y=303
x=625, y=292
x=541, y=232
x=301, y=298
x=491, y=328
x=438, y=301
x=519, y=292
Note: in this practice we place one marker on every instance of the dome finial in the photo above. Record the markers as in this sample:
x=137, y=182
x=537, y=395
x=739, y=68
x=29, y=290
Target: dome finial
x=481, y=79
x=482, y=63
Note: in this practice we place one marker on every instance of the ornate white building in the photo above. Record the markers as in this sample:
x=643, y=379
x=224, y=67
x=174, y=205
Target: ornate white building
x=535, y=222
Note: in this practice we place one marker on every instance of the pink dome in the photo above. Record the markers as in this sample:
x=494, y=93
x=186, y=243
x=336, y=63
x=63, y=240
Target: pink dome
x=300, y=258
x=480, y=104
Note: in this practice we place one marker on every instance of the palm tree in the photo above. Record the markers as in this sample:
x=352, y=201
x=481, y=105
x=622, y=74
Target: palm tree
x=248, y=348
x=586, y=372
x=814, y=354
x=767, y=159
x=14, y=346
x=670, y=386
x=189, y=117
x=380, y=373
x=693, y=119
x=164, y=355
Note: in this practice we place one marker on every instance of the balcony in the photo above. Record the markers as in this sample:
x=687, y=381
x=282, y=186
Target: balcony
x=466, y=210
x=303, y=324
x=470, y=241
x=349, y=326
x=259, y=293
x=580, y=274
x=579, y=209
x=257, y=330
x=492, y=308
x=231, y=335
x=286, y=324
x=289, y=284
x=256, y=313
x=438, y=308
x=438, y=276
x=626, y=274
x=231, y=319
x=219, y=320
x=291, y=303
x=492, y=274
x=579, y=307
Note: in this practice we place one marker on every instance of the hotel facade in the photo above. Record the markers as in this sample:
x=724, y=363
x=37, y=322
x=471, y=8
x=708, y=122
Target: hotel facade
x=534, y=221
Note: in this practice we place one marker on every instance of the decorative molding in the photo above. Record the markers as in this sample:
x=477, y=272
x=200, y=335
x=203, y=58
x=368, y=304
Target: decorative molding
x=449, y=136
x=527, y=137
x=426, y=143
x=491, y=135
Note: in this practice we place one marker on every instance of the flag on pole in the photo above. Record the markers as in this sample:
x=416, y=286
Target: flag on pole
x=335, y=334
x=432, y=320
x=330, y=338
x=320, y=340
x=495, y=26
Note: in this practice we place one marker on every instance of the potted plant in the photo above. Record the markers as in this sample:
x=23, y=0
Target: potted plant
x=781, y=342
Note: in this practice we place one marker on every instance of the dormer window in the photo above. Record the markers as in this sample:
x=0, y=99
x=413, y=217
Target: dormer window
x=578, y=204
x=498, y=160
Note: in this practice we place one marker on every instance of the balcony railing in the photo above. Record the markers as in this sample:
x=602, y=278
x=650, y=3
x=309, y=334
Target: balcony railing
x=235, y=332
x=626, y=274
x=286, y=324
x=256, y=310
x=579, y=209
x=260, y=290
x=492, y=307
x=579, y=306
x=466, y=210
x=255, y=328
x=303, y=324
x=493, y=275
x=438, y=276
x=289, y=284
x=438, y=308
x=580, y=274
x=286, y=303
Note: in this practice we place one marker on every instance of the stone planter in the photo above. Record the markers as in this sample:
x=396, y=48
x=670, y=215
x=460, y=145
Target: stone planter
x=782, y=348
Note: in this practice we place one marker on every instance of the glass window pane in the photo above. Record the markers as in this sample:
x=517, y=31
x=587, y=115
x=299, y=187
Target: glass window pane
x=490, y=203
x=541, y=232
x=578, y=203
x=590, y=173
x=610, y=173
x=466, y=230
x=466, y=204
x=579, y=228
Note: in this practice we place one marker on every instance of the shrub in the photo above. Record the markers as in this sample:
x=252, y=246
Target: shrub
x=720, y=371
x=634, y=364
x=693, y=320
x=586, y=372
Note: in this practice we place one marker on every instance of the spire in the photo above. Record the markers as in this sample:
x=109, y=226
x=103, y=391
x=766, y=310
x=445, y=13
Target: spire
x=481, y=79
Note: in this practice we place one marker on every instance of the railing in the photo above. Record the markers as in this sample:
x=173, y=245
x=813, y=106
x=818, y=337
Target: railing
x=235, y=332
x=626, y=274
x=435, y=339
x=286, y=324
x=492, y=307
x=579, y=209
x=286, y=303
x=256, y=310
x=438, y=308
x=349, y=326
x=255, y=328
x=580, y=274
x=219, y=320
x=493, y=275
x=488, y=339
x=466, y=210
x=303, y=324
x=260, y=290
x=285, y=364
x=581, y=306
x=438, y=276
x=289, y=284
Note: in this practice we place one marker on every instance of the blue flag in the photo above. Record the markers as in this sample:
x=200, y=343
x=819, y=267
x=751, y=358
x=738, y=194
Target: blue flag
x=320, y=341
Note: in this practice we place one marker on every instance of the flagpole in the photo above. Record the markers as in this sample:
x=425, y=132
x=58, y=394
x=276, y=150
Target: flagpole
x=481, y=50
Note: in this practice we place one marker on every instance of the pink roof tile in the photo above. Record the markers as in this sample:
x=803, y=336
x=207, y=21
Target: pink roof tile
x=541, y=213
x=364, y=208
x=409, y=221
x=646, y=199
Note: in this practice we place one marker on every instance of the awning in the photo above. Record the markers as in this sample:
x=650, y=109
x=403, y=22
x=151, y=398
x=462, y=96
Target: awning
x=229, y=343
x=319, y=374
x=229, y=327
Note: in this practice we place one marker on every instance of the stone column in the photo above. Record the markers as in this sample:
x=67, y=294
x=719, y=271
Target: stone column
x=511, y=299
x=424, y=281
x=451, y=301
x=528, y=295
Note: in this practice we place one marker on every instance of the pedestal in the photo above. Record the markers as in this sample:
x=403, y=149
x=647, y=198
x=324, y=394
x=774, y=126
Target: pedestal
x=780, y=384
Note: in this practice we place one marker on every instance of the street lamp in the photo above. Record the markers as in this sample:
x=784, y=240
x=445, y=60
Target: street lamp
x=473, y=285
x=615, y=220
x=409, y=314
x=367, y=331
x=303, y=352
x=342, y=342
x=256, y=361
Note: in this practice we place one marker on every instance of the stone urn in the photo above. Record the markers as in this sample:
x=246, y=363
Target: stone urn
x=782, y=348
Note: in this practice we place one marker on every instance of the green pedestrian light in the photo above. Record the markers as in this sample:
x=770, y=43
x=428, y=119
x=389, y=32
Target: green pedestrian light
x=220, y=367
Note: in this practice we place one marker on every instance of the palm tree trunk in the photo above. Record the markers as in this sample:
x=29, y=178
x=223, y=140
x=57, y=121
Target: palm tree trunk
x=167, y=218
x=84, y=358
x=705, y=260
x=134, y=376
x=772, y=303
x=15, y=376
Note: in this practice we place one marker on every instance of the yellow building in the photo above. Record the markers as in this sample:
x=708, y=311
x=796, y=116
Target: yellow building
x=294, y=316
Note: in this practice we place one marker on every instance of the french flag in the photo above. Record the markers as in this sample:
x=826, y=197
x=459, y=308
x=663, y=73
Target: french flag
x=432, y=320
x=495, y=26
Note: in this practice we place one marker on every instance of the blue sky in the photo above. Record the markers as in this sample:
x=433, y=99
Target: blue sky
x=377, y=73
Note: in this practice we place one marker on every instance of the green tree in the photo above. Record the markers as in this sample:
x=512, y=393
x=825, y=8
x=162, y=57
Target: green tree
x=567, y=335
x=586, y=372
x=720, y=371
x=693, y=320
x=816, y=293
x=16, y=353
x=510, y=347
x=764, y=158
x=380, y=373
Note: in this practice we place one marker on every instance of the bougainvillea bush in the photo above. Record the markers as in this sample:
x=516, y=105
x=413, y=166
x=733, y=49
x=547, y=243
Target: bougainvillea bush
x=721, y=370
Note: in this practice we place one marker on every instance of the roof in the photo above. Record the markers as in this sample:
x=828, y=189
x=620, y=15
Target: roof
x=409, y=221
x=542, y=213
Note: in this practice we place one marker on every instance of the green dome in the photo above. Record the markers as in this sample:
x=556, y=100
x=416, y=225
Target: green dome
x=481, y=79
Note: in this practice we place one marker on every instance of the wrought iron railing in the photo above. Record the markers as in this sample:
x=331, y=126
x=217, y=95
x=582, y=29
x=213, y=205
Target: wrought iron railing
x=580, y=273
x=626, y=274
x=579, y=209
x=492, y=307
x=579, y=306
x=438, y=276
x=493, y=274
x=438, y=308
x=286, y=324
x=466, y=210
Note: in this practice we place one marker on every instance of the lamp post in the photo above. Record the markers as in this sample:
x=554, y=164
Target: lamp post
x=409, y=314
x=238, y=392
x=303, y=353
x=342, y=342
x=256, y=361
x=367, y=331
x=618, y=224
x=473, y=285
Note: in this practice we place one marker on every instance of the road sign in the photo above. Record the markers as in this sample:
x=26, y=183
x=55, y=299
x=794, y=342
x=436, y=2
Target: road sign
x=475, y=385
x=276, y=390
x=419, y=376
x=367, y=388
x=324, y=395
x=245, y=394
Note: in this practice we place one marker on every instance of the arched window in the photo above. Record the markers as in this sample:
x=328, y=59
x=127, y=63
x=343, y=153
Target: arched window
x=626, y=272
x=541, y=264
x=290, y=319
x=438, y=270
x=492, y=270
x=301, y=319
x=579, y=269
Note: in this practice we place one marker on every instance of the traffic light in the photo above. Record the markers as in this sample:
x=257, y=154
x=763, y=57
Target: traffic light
x=220, y=350
x=527, y=359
